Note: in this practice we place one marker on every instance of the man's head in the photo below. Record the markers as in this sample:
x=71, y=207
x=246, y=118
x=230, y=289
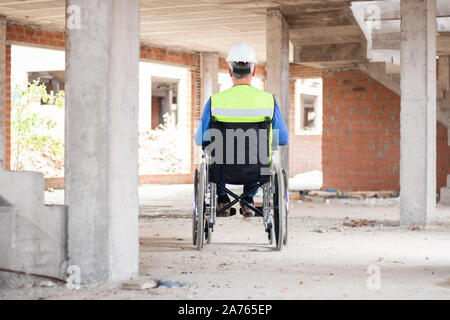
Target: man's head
x=241, y=63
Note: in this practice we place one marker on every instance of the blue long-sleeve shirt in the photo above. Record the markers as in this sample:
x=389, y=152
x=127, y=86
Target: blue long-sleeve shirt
x=280, y=132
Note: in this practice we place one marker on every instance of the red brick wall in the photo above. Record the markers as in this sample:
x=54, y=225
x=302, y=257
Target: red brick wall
x=166, y=179
x=20, y=34
x=26, y=35
x=58, y=183
x=170, y=56
x=361, y=120
x=361, y=137
x=305, y=151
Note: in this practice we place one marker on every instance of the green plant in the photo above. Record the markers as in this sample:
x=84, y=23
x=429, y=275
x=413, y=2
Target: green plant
x=30, y=129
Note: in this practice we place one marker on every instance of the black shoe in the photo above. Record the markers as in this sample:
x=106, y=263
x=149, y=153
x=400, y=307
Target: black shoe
x=246, y=211
x=222, y=201
x=225, y=213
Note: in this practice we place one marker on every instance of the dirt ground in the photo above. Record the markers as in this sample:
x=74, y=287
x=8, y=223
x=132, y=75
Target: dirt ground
x=324, y=258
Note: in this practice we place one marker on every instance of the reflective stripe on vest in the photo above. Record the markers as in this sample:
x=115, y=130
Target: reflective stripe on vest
x=242, y=103
x=243, y=112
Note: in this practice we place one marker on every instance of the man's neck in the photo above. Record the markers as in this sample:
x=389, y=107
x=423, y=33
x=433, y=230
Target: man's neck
x=237, y=82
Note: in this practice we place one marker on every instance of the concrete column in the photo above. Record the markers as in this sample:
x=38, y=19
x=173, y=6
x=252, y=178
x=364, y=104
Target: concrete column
x=2, y=91
x=210, y=75
x=101, y=183
x=277, y=68
x=418, y=112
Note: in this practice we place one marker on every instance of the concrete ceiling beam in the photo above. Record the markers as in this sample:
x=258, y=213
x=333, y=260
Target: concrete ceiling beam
x=392, y=41
x=345, y=53
x=325, y=35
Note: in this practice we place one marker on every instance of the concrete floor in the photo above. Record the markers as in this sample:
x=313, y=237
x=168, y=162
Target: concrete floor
x=324, y=259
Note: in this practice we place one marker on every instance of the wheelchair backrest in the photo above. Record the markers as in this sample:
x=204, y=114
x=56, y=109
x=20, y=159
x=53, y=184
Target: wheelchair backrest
x=240, y=153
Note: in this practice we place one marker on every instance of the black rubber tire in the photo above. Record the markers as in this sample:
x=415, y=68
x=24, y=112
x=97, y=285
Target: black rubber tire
x=279, y=211
x=194, y=213
x=286, y=206
x=276, y=215
x=200, y=207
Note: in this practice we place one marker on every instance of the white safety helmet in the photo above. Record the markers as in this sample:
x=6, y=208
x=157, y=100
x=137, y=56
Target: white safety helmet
x=242, y=52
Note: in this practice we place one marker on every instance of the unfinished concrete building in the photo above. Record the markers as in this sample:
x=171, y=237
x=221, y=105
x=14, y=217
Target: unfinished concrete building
x=385, y=69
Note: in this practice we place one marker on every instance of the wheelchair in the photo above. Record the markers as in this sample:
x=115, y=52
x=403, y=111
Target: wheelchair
x=268, y=175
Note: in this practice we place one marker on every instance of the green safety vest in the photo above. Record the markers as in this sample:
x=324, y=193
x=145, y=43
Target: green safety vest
x=243, y=103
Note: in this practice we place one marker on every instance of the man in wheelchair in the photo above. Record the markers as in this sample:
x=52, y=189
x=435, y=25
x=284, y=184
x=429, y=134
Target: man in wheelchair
x=239, y=110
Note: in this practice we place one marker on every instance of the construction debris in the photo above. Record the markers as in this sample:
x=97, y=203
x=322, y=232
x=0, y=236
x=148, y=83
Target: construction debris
x=47, y=284
x=311, y=180
x=139, y=284
x=369, y=198
x=359, y=223
x=170, y=284
x=353, y=194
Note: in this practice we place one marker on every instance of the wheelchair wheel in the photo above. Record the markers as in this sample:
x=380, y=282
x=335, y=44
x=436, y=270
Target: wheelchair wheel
x=286, y=206
x=279, y=209
x=195, y=211
x=198, y=222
